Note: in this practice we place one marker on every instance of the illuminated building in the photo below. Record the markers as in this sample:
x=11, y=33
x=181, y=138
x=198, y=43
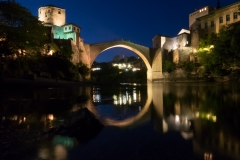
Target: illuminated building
x=207, y=20
x=55, y=18
x=174, y=49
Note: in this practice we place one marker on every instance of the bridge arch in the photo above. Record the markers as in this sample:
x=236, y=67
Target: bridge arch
x=141, y=51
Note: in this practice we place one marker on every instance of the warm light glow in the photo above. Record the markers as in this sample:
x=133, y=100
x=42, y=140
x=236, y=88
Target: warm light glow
x=130, y=99
x=177, y=119
x=50, y=53
x=214, y=118
x=124, y=100
x=50, y=117
x=197, y=114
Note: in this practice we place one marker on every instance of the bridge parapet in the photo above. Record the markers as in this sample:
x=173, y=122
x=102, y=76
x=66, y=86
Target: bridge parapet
x=120, y=40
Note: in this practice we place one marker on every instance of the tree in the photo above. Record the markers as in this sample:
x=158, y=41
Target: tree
x=168, y=66
x=20, y=30
x=219, y=54
x=83, y=69
x=116, y=58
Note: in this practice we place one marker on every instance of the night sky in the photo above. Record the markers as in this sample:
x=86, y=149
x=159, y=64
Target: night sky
x=135, y=20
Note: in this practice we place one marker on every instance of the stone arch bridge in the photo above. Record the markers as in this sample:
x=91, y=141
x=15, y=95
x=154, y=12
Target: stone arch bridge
x=151, y=57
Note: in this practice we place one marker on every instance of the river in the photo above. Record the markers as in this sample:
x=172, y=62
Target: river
x=170, y=121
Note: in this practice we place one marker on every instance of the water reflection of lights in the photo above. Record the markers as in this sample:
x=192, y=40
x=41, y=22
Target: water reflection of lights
x=121, y=99
x=96, y=95
x=208, y=156
x=208, y=116
x=178, y=122
x=134, y=96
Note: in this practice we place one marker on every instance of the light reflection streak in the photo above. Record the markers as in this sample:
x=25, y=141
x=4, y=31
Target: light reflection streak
x=121, y=99
x=131, y=120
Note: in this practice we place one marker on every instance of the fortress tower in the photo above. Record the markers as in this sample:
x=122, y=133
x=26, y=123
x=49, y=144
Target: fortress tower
x=52, y=15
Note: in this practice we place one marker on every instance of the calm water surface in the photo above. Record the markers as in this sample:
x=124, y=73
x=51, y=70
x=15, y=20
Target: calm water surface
x=170, y=121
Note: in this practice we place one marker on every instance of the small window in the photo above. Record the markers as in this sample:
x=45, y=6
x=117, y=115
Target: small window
x=206, y=25
x=49, y=11
x=65, y=28
x=212, y=23
x=74, y=28
x=69, y=28
x=45, y=15
x=59, y=11
x=220, y=19
x=78, y=29
x=235, y=15
x=227, y=17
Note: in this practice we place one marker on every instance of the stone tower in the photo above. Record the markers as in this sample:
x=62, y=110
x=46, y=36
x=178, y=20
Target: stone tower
x=52, y=15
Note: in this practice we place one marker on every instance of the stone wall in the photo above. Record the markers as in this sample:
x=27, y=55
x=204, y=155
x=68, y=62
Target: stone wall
x=52, y=15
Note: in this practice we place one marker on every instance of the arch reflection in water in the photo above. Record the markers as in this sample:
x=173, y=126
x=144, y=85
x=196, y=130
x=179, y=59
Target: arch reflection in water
x=122, y=98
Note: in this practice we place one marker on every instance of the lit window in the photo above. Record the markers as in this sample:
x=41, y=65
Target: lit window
x=212, y=23
x=220, y=19
x=205, y=8
x=227, y=17
x=235, y=15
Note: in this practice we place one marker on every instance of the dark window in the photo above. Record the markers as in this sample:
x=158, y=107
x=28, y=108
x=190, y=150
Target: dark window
x=69, y=28
x=235, y=15
x=65, y=28
x=220, y=19
x=232, y=147
x=49, y=11
x=59, y=12
x=74, y=28
x=45, y=15
x=227, y=17
x=212, y=23
x=225, y=146
x=206, y=25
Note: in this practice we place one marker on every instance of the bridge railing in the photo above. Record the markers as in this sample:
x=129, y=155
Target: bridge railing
x=121, y=40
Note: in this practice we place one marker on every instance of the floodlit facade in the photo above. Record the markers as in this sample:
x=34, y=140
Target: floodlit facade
x=174, y=49
x=204, y=22
x=52, y=15
x=55, y=18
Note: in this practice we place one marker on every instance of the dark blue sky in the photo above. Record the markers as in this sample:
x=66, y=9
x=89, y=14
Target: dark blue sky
x=135, y=20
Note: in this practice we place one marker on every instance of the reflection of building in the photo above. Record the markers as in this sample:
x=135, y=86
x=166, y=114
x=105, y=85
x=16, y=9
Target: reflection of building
x=213, y=140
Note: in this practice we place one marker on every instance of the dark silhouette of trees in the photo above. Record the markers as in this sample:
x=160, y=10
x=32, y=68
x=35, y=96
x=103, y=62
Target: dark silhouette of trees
x=20, y=31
